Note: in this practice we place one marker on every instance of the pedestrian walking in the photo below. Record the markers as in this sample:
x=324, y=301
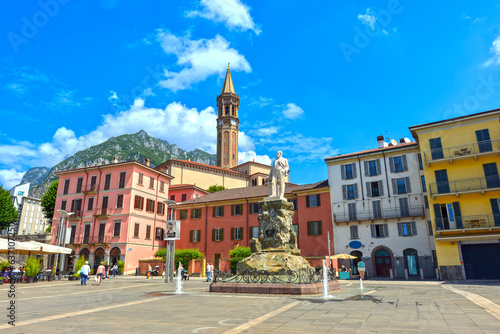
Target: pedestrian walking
x=209, y=272
x=106, y=267
x=84, y=273
x=212, y=272
x=148, y=275
x=100, y=273
x=115, y=269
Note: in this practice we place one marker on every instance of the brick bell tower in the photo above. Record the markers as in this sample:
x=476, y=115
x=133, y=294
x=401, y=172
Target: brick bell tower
x=228, y=104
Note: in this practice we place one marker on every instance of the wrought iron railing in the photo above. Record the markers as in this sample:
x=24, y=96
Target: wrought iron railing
x=90, y=188
x=101, y=212
x=465, y=185
x=412, y=211
x=301, y=276
x=458, y=151
x=468, y=222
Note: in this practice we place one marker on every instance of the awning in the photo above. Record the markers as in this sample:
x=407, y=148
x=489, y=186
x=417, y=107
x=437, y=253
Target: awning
x=51, y=249
x=18, y=247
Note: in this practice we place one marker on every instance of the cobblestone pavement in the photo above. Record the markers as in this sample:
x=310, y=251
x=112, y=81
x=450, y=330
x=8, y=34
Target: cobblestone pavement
x=134, y=304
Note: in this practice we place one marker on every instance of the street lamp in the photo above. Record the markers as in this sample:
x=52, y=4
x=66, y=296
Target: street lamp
x=170, y=246
x=61, y=232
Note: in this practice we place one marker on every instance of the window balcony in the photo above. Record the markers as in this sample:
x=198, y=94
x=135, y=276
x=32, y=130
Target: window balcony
x=101, y=239
x=101, y=212
x=464, y=151
x=90, y=189
x=361, y=215
x=465, y=186
x=463, y=223
x=77, y=215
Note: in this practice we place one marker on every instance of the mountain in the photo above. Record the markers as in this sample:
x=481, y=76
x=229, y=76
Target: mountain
x=138, y=146
x=35, y=176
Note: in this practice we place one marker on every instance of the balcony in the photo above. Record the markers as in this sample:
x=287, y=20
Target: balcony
x=465, y=186
x=90, y=189
x=77, y=215
x=101, y=239
x=464, y=224
x=464, y=151
x=101, y=212
x=413, y=211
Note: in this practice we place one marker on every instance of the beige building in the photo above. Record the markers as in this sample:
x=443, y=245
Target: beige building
x=31, y=218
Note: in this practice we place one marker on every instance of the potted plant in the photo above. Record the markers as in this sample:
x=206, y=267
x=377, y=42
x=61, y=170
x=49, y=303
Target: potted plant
x=32, y=268
x=74, y=277
x=121, y=267
x=3, y=280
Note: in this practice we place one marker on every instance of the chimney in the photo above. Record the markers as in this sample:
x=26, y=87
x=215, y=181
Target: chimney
x=146, y=162
x=381, y=142
x=402, y=140
x=115, y=159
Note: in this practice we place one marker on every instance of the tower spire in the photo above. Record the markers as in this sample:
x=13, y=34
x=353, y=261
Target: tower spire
x=228, y=82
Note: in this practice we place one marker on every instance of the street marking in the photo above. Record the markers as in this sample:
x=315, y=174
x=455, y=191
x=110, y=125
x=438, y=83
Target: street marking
x=202, y=329
x=482, y=302
x=367, y=293
x=73, y=314
x=75, y=293
x=260, y=319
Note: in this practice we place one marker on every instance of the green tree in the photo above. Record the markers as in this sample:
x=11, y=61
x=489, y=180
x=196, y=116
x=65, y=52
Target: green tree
x=215, y=188
x=182, y=255
x=8, y=213
x=49, y=201
x=238, y=254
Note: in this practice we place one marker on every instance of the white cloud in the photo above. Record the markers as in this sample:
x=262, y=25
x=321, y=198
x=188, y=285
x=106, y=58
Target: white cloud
x=495, y=50
x=368, y=18
x=293, y=111
x=10, y=178
x=266, y=131
x=252, y=156
x=199, y=58
x=233, y=13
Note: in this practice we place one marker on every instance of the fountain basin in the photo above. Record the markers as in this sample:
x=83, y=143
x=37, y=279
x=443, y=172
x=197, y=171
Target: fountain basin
x=273, y=288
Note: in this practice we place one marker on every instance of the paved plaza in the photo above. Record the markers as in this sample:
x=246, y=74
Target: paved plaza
x=136, y=305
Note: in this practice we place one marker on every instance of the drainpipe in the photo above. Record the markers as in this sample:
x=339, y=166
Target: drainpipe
x=248, y=223
x=156, y=211
x=206, y=231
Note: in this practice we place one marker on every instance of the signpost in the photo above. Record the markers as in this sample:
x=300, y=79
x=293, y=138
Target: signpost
x=172, y=233
x=361, y=269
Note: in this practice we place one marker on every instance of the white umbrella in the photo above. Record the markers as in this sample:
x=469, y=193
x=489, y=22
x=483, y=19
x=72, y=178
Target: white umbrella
x=51, y=249
x=9, y=246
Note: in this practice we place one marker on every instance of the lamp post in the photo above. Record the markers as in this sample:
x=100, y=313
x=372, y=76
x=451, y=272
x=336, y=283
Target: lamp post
x=61, y=234
x=170, y=247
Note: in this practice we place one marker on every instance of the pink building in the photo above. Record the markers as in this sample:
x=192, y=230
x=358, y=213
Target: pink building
x=118, y=212
x=184, y=192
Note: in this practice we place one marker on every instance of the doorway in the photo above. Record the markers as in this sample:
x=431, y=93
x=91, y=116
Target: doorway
x=383, y=263
x=98, y=257
x=216, y=261
x=411, y=261
x=354, y=263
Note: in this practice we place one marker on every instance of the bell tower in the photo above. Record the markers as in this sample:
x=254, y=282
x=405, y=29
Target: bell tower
x=228, y=104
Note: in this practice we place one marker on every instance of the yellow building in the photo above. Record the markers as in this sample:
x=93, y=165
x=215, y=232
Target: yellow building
x=460, y=157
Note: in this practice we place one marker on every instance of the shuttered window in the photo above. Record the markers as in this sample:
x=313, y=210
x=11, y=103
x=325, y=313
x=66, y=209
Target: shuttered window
x=63, y=205
x=136, y=230
x=253, y=232
x=117, y=228
x=401, y=186
x=354, y=232
x=141, y=179
x=152, y=182
x=195, y=213
x=90, y=204
x=161, y=208
x=138, y=202
x=372, y=167
x=236, y=209
x=119, y=201
x=148, y=231
x=150, y=205
x=314, y=228
x=379, y=231
x=237, y=233
x=194, y=235
x=398, y=164
x=159, y=233
x=218, y=211
x=107, y=182
x=348, y=171
x=407, y=229
x=218, y=234
x=79, y=184
x=66, y=186
x=313, y=201
x=254, y=208
x=121, y=184
x=183, y=214
x=350, y=191
x=162, y=186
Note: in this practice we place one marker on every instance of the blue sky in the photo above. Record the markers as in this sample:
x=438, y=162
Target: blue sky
x=314, y=79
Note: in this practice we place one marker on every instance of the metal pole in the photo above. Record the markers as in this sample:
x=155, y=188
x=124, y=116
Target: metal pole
x=63, y=243
x=172, y=261
x=167, y=262
x=329, y=254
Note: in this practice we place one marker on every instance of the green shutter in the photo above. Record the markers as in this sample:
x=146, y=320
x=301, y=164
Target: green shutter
x=309, y=232
x=199, y=213
x=222, y=211
x=199, y=235
x=318, y=196
x=250, y=232
x=232, y=210
x=320, y=228
x=437, y=215
x=458, y=214
x=241, y=233
x=232, y=233
x=191, y=236
x=221, y=234
x=308, y=204
x=213, y=211
x=213, y=234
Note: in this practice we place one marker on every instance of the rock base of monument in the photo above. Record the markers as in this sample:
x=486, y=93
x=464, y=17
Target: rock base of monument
x=273, y=288
x=274, y=262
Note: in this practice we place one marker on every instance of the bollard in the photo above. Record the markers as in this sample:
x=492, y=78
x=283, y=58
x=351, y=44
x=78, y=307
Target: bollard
x=391, y=275
x=406, y=273
x=421, y=273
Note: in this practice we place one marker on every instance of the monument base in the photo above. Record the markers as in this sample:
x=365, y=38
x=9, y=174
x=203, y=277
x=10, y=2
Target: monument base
x=274, y=262
x=272, y=288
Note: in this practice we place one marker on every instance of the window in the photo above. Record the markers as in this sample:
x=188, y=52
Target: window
x=218, y=234
x=66, y=187
x=296, y=229
x=236, y=233
x=407, y=229
x=76, y=206
x=183, y=214
x=253, y=232
x=63, y=205
x=374, y=189
x=377, y=210
x=195, y=213
x=401, y=186
x=379, y=231
x=436, y=148
x=354, y=232
x=148, y=231
x=141, y=179
x=183, y=197
x=136, y=230
x=403, y=207
x=254, y=182
x=398, y=164
x=348, y=171
x=294, y=202
x=429, y=226
x=443, y=186
x=218, y=211
x=117, y=227
x=79, y=184
x=194, y=235
x=159, y=233
x=313, y=201
x=72, y=234
x=119, y=201
x=150, y=205
x=352, y=211
x=162, y=186
x=420, y=165
x=121, y=184
x=372, y=168
x=422, y=179
x=314, y=228
x=138, y=202
x=93, y=182
x=483, y=140
x=491, y=175
x=236, y=209
x=107, y=181
x=172, y=197
x=90, y=204
x=351, y=194
x=426, y=202
x=152, y=182
x=254, y=208
x=161, y=208
x=86, y=234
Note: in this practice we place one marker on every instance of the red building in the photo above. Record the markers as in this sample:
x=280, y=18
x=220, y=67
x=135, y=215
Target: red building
x=219, y=222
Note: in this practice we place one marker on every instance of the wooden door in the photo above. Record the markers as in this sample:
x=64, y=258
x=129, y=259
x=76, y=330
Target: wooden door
x=383, y=263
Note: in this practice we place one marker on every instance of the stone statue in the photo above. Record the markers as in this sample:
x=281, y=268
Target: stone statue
x=278, y=174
